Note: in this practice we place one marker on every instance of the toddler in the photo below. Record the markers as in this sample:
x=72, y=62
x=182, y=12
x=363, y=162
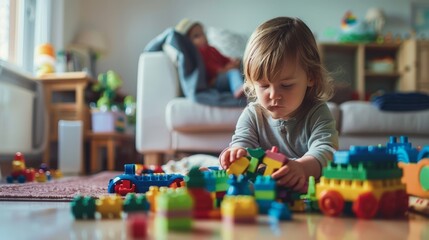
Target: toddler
x=288, y=89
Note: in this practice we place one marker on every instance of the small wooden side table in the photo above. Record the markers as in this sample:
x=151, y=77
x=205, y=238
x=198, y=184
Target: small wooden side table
x=56, y=87
x=109, y=140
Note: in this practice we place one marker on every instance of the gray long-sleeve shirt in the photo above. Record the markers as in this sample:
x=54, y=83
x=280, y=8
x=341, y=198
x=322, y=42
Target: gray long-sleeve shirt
x=312, y=134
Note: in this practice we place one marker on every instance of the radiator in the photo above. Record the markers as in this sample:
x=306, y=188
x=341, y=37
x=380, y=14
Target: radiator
x=23, y=116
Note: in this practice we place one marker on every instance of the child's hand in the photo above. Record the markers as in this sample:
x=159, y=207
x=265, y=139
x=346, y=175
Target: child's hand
x=230, y=155
x=291, y=175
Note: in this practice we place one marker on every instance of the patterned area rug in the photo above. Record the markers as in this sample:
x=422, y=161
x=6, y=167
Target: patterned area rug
x=63, y=189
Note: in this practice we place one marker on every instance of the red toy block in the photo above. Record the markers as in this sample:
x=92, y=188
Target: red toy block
x=137, y=226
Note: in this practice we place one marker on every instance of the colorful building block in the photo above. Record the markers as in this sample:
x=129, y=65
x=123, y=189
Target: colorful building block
x=238, y=185
x=363, y=170
x=265, y=188
x=109, y=206
x=242, y=209
x=83, y=207
x=368, y=197
x=203, y=201
x=416, y=177
x=403, y=149
x=273, y=160
x=358, y=154
x=137, y=226
x=175, y=210
x=135, y=203
x=279, y=212
x=239, y=166
x=130, y=182
x=20, y=173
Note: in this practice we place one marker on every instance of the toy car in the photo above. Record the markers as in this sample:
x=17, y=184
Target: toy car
x=130, y=182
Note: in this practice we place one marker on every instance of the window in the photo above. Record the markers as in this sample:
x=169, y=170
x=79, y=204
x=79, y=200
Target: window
x=17, y=25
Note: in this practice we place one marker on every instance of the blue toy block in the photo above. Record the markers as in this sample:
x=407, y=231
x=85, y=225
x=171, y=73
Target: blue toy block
x=403, y=149
x=403, y=143
x=238, y=185
x=264, y=183
x=424, y=153
x=358, y=154
x=264, y=206
x=279, y=211
x=210, y=181
x=216, y=181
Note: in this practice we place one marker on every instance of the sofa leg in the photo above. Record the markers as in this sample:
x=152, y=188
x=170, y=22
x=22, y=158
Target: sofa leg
x=153, y=159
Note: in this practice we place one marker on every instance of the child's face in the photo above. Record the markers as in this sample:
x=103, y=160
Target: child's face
x=282, y=96
x=197, y=35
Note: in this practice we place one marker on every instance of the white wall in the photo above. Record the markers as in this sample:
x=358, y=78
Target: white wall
x=130, y=24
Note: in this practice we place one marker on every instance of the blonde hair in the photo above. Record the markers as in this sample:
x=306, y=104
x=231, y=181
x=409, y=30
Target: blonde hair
x=275, y=42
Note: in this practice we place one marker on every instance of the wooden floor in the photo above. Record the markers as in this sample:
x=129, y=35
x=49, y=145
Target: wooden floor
x=53, y=220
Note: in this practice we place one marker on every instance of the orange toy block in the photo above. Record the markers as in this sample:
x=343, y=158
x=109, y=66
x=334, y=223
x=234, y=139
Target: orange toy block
x=239, y=166
x=416, y=177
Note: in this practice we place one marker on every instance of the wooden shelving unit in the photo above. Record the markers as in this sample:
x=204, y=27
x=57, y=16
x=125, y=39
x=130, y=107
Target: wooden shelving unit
x=349, y=63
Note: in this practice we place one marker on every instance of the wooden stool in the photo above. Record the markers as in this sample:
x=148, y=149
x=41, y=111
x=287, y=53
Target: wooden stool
x=110, y=141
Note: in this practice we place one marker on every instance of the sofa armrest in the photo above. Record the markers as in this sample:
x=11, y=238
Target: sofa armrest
x=157, y=84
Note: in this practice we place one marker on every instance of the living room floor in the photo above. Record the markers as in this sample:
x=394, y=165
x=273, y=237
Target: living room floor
x=53, y=220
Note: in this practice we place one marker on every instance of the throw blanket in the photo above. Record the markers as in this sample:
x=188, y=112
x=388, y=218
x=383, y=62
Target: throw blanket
x=402, y=101
x=191, y=71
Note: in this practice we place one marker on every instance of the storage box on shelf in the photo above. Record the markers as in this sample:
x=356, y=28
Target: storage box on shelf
x=108, y=121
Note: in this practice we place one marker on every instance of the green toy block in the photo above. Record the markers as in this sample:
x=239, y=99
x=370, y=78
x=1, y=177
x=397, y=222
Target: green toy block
x=253, y=166
x=195, y=178
x=174, y=224
x=265, y=195
x=135, y=203
x=424, y=178
x=362, y=171
x=221, y=180
x=174, y=199
x=256, y=152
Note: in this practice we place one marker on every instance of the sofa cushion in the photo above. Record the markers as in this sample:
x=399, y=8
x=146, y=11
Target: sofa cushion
x=183, y=115
x=359, y=117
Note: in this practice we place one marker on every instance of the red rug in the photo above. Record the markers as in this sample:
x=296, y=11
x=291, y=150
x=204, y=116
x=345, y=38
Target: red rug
x=63, y=189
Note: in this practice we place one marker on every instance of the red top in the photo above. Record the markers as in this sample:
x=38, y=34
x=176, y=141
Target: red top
x=213, y=60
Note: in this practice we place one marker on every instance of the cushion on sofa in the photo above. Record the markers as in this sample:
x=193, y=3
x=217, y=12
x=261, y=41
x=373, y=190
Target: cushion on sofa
x=359, y=117
x=183, y=115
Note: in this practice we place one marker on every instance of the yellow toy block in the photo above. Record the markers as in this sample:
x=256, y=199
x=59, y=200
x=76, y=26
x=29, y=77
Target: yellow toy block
x=152, y=194
x=239, y=166
x=273, y=161
x=109, y=206
x=351, y=189
x=239, y=208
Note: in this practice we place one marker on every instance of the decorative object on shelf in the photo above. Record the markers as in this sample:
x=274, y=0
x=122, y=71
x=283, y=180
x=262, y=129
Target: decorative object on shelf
x=44, y=59
x=87, y=48
x=354, y=30
x=375, y=17
x=108, y=83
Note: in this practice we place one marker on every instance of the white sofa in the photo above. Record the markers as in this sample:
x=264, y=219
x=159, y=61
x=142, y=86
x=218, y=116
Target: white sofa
x=168, y=123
